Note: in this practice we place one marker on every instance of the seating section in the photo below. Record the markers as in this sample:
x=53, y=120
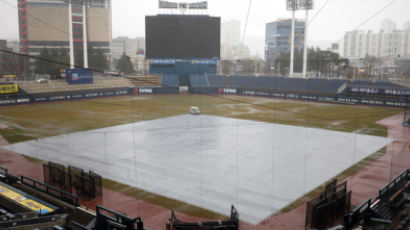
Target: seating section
x=263, y=82
x=145, y=81
x=217, y=80
x=311, y=84
x=288, y=83
x=240, y=81
x=362, y=83
x=198, y=80
x=32, y=87
x=170, y=80
x=385, y=84
x=317, y=85
x=387, y=209
x=332, y=85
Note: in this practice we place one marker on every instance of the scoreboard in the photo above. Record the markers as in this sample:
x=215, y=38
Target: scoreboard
x=182, y=36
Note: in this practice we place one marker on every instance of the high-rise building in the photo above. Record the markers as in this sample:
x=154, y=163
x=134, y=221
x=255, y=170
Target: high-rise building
x=387, y=25
x=230, y=38
x=334, y=48
x=46, y=24
x=10, y=63
x=277, y=39
x=231, y=32
x=406, y=25
x=132, y=47
x=359, y=43
x=129, y=46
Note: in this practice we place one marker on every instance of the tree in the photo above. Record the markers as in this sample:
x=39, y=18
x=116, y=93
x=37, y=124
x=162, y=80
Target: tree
x=42, y=63
x=318, y=61
x=369, y=61
x=404, y=67
x=97, y=59
x=125, y=65
x=226, y=66
x=52, y=61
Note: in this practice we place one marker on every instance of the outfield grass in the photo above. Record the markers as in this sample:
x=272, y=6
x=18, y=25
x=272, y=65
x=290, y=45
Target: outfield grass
x=28, y=122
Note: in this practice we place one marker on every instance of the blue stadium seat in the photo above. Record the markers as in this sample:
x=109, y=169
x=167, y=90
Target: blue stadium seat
x=385, y=84
x=311, y=84
x=217, y=80
x=198, y=80
x=332, y=85
x=169, y=80
x=287, y=83
x=264, y=82
x=362, y=83
x=236, y=81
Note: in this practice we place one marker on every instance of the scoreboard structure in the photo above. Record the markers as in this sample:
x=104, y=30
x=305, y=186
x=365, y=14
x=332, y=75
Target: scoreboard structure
x=183, y=44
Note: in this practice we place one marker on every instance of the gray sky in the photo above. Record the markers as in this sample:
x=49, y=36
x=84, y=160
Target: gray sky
x=329, y=26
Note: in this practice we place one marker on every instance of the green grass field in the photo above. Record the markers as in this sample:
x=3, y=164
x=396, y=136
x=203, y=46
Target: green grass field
x=28, y=122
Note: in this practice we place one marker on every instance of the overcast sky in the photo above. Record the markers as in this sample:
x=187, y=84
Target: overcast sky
x=329, y=26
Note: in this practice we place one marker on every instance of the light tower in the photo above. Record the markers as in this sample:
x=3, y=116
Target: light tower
x=84, y=4
x=294, y=5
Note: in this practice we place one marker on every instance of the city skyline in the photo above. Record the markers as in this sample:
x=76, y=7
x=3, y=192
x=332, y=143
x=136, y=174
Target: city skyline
x=327, y=27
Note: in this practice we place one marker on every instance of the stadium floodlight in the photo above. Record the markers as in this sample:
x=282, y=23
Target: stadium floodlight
x=70, y=26
x=294, y=5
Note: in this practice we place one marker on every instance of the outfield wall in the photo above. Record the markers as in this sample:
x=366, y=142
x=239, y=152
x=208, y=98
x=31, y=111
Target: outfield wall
x=402, y=102
x=65, y=96
x=76, y=95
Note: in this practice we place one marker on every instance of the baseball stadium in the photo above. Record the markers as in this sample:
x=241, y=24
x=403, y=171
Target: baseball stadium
x=185, y=147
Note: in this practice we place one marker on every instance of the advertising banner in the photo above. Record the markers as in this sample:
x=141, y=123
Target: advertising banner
x=79, y=76
x=9, y=88
x=183, y=5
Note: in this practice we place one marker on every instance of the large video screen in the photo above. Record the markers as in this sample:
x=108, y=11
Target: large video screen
x=182, y=36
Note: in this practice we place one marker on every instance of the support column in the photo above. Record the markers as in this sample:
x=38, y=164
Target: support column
x=292, y=44
x=85, y=48
x=305, y=45
x=70, y=34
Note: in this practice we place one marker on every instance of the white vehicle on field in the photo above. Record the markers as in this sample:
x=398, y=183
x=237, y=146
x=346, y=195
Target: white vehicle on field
x=194, y=110
x=42, y=80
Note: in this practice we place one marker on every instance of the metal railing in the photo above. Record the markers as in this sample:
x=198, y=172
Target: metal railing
x=50, y=190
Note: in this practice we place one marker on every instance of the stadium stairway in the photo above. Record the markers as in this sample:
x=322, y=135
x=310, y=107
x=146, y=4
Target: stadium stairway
x=62, y=86
x=152, y=81
x=383, y=211
x=227, y=80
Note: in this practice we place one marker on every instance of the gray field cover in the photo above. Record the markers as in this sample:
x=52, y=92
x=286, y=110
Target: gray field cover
x=211, y=162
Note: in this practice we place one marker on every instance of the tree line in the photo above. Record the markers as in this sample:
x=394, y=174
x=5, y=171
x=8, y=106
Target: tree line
x=319, y=61
x=52, y=61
